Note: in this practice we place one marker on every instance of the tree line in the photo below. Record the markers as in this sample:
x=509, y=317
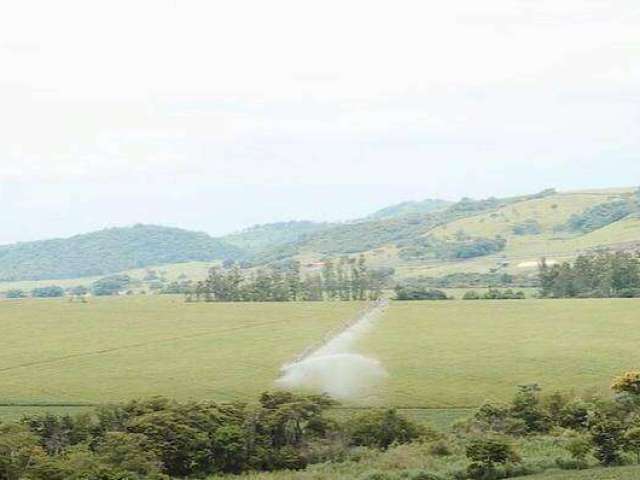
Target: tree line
x=345, y=279
x=160, y=439
x=599, y=275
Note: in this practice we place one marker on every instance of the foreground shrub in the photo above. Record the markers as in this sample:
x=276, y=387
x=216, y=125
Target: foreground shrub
x=579, y=447
x=485, y=454
x=381, y=429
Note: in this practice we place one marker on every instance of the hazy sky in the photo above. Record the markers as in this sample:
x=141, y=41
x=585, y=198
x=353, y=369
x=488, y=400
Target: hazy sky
x=215, y=115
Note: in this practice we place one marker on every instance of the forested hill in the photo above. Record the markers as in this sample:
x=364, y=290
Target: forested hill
x=108, y=251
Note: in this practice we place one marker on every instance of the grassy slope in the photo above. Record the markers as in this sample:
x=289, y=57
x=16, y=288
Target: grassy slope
x=193, y=270
x=114, y=349
x=548, y=212
x=458, y=354
x=620, y=473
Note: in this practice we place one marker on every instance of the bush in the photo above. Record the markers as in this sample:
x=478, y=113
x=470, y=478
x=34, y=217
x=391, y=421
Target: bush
x=381, y=429
x=579, y=447
x=486, y=453
x=419, y=293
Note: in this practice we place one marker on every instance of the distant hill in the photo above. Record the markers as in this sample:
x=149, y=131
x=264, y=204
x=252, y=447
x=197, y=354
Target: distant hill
x=259, y=239
x=432, y=238
x=410, y=208
x=109, y=251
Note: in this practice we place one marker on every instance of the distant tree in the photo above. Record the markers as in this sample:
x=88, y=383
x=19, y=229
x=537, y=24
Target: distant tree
x=418, y=293
x=312, y=290
x=596, y=275
x=48, y=292
x=471, y=295
x=16, y=293
x=329, y=280
x=111, y=285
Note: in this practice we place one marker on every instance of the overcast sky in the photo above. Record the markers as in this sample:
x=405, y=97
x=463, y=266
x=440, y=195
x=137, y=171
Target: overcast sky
x=214, y=115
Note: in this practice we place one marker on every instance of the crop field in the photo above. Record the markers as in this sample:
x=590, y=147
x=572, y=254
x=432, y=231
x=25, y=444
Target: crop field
x=446, y=356
x=460, y=353
x=112, y=349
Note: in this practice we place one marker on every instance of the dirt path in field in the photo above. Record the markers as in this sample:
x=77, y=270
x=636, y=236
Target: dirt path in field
x=333, y=367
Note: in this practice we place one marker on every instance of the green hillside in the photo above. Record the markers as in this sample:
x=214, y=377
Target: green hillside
x=410, y=208
x=273, y=240
x=489, y=236
x=109, y=251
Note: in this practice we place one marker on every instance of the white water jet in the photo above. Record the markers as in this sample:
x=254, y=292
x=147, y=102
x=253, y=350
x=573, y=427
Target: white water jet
x=333, y=368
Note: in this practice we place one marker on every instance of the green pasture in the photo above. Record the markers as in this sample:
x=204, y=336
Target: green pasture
x=113, y=349
x=461, y=353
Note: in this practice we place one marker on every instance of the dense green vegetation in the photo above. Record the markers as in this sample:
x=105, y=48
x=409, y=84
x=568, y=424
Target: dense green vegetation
x=347, y=279
x=108, y=251
x=595, y=275
x=600, y=216
x=158, y=439
x=404, y=293
x=47, y=292
x=461, y=248
x=494, y=294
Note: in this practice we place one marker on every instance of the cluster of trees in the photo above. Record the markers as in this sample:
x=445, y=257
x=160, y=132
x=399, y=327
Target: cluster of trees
x=111, y=285
x=600, y=275
x=528, y=227
x=50, y=291
x=461, y=247
x=604, y=428
x=409, y=292
x=157, y=439
x=600, y=216
x=494, y=294
x=345, y=279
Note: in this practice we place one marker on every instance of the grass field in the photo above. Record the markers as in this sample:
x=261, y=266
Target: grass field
x=460, y=353
x=439, y=355
x=118, y=348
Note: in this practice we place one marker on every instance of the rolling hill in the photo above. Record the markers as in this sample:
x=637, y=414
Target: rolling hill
x=410, y=208
x=420, y=240
x=109, y=251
